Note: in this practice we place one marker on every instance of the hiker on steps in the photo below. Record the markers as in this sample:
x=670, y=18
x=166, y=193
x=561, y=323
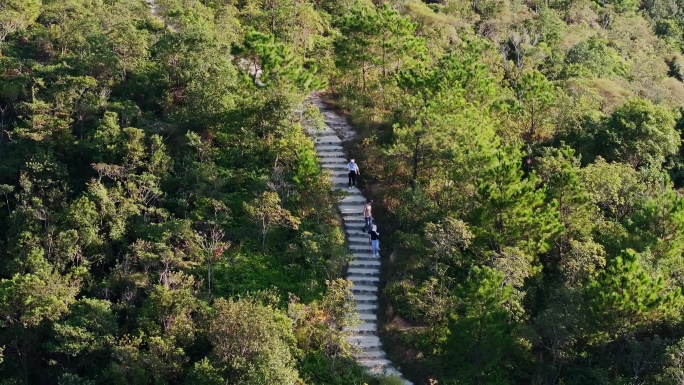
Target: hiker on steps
x=367, y=216
x=353, y=172
x=375, y=240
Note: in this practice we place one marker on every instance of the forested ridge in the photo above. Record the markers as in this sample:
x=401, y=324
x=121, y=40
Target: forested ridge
x=164, y=218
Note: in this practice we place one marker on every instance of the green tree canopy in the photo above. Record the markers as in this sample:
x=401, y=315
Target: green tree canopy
x=639, y=133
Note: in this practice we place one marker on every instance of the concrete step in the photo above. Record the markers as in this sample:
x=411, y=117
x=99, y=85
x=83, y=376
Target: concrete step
x=365, y=342
x=350, y=199
x=364, y=255
x=371, y=349
x=365, y=289
x=332, y=160
x=366, y=331
x=376, y=365
x=351, y=208
x=331, y=154
x=361, y=262
x=328, y=139
x=366, y=306
x=368, y=317
x=358, y=228
x=366, y=299
x=353, y=190
x=359, y=239
x=340, y=180
x=369, y=259
x=363, y=275
x=365, y=281
x=354, y=248
x=327, y=132
x=339, y=173
x=365, y=264
x=353, y=212
x=353, y=215
x=334, y=166
x=328, y=147
x=357, y=233
x=354, y=222
x=363, y=272
x=365, y=328
x=370, y=354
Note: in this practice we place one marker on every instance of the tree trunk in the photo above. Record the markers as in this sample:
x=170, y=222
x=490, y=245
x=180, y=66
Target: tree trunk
x=384, y=48
x=363, y=70
x=416, y=159
x=209, y=278
x=263, y=234
x=478, y=357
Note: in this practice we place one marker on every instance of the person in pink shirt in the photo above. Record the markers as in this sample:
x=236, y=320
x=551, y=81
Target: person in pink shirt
x=367, y=216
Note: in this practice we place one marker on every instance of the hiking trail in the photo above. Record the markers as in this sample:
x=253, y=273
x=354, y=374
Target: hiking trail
x=364, y=269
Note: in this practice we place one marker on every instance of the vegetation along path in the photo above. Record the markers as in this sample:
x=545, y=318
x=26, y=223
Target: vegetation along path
x=364, y=269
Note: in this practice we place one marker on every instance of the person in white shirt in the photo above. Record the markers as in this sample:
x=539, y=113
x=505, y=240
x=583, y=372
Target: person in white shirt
x=353, y=172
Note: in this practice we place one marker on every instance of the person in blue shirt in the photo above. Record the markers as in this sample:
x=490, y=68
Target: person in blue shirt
x=353, y=172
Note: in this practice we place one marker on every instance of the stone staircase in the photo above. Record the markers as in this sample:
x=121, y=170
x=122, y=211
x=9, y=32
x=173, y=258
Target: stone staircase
x=364, y=270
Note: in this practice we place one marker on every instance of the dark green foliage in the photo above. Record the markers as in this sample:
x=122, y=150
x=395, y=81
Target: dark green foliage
x=375, y=41
x=164, y=218
x=525, y=150
x=514, y=223
x=624, y=300
x=638, y=133
x=592, y=57
x=137, y=161
x=482, y=334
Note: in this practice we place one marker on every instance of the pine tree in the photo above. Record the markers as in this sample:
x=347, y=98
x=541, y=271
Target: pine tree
x=625, y=299
x=482, y=344
x=513, y=223
x=372, y=40
x=575, y=254
x=16, y=15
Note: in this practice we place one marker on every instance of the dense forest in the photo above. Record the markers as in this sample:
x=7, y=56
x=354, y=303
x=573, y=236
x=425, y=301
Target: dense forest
x=164, y=218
